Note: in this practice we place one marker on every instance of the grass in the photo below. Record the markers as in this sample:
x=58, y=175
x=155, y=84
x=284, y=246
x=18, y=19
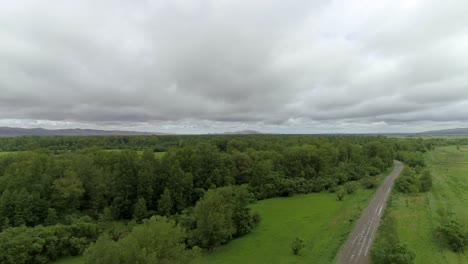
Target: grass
x=418, y=215
x=319, y=219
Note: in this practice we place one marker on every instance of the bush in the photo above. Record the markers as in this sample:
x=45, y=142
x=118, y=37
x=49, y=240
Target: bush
x=369, y=182
x=454, y=235
x=297, y=245
x=340, y=193
x=351, y=187
x=425, y=182
x=394, y=254
x=41, y=244
x=407, y=182
x=157, y=240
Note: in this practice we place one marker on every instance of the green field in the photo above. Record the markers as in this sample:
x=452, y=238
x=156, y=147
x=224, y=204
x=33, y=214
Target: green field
x=419, y=214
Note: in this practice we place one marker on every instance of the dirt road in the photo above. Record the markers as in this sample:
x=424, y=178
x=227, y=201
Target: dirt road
x=357, y=247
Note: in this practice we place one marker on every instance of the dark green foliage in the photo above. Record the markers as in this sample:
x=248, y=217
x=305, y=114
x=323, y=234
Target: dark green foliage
x=220, y=215
x=454, y=235
x=297, y=245
x=407, y=182
x=396, y=254
x=425, y=181
x=165, y=203
x=340, y=193
x=410, y=182
x=369, y=182
x=351, y=187
x=41, y=244
x=411, y=158
x=157, y=240
x=140, y=211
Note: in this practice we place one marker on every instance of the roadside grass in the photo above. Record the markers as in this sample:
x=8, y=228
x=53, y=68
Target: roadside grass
x=319, y=219
x=418, y=215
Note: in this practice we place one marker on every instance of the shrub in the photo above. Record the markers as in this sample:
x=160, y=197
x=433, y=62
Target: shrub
x=340, y=193
x=351, y=187
x=425, y=182
x=407, y=182
x=369, y=182
x=297, y=245
x=43, y=244
x=454, y=235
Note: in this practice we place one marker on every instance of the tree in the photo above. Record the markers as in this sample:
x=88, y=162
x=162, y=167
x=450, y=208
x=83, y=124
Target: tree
x=104, y=251
x=425, y=182
x=454, y=234
x=407, y=182
x=340, y=193
x=398, y=254
x=369, y=182
x=165, y=203
x=222, y=214
x=140, y=211
x=297, y=245
x=157, y=240
x=214, y=225
x=67, y=192
x=52, y=217
x=351, y=187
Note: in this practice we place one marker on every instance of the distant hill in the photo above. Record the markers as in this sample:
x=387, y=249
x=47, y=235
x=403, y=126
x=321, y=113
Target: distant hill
x=243, y=132
x=453, y=131
x=16, y=132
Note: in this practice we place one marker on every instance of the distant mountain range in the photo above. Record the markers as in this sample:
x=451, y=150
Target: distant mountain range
x=243, y=132
x=452, y=131
x=16, y=132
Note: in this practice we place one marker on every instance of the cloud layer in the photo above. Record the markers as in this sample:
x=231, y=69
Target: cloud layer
x=204, y=66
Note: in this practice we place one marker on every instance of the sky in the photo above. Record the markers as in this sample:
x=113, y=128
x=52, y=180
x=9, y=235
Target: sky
x=207, y=66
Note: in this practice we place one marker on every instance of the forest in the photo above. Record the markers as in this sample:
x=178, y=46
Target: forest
x=168, y=199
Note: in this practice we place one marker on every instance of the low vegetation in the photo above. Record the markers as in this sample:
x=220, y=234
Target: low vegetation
x=297, y=245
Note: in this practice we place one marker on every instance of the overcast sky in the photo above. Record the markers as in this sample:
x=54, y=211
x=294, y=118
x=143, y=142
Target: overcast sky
x=296, y=66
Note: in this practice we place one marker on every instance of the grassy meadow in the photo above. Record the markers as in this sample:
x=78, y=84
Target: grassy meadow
x=418, y=215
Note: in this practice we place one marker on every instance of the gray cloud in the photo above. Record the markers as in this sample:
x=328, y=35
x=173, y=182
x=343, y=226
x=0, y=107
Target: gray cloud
x=202, y=66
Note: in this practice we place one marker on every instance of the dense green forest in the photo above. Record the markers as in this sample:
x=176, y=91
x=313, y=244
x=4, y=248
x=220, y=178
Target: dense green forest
x=59, y=195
